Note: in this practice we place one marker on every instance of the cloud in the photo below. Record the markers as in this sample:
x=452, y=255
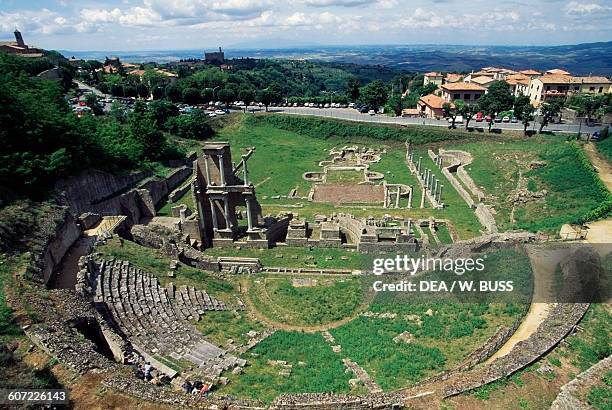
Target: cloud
x=575, y=8
x=338, y=3
x=42, y=21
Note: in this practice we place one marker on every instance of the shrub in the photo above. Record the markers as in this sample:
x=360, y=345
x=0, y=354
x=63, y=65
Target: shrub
x=328, y=128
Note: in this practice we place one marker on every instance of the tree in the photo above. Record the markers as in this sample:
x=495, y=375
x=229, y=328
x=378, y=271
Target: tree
x=466, y=111
x=226, y=96
x=587, y=105
x=395, y=103
x=142, y=91
x=191, y=96
x=207, y=95
x=451, y=110
x=117, y=90
x=549, y=111
x=268, y=96
x=491, y=110
x=161, y=111
x=352, y=88
x=130, y=91
x=191, y=126
x=145, y=132
x=374, y=94
x=498, y=96
x=173, y=93
x=525, y=113
x=247, y=96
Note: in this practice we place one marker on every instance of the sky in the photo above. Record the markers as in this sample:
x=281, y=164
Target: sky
x=128, y=25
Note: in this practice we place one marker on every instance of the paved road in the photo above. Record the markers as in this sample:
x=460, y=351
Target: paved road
x=354, y=115
x=84, y=86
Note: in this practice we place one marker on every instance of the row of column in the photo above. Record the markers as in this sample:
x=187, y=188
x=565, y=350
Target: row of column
x=226, y=213
x=430, y=182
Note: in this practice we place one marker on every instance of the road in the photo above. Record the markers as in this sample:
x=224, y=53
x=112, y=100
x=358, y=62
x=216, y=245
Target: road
x=84, y=86
x=353, y=115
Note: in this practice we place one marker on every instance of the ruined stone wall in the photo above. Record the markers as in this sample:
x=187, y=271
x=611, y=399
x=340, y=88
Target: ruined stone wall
x=457, y=185
x=94, y=186
x=486, y=219
x=160, y=188
x=56, y=231
x=567, y=400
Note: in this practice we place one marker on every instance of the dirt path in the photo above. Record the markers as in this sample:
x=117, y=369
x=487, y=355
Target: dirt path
x=603, y=167
x=244, y=287
x=600, y=231
x=543, y=264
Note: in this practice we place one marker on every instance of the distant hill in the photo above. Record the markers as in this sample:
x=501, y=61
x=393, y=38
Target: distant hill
x=590, y=58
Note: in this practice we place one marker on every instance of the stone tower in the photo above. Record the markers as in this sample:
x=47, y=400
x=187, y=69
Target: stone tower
x=219, y=191
x=19, y=38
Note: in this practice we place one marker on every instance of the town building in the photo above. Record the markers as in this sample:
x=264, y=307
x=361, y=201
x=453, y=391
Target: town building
x=519, y=83
x=433, y=78
x=468, y=92
x=453, y=78
x=551, y=86
x=216, y=57
x=557, y=71
x=484, y=81
x=431, y=106
x=20, y=47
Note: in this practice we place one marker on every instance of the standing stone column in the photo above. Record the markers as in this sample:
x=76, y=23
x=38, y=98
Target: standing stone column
x=440, y=192
x=226, y=208
x=245, y=171
x=213, y=211
x=397, y=197
x=221, y=169
x=249, y=220
x=207, y=169
x=419, y=165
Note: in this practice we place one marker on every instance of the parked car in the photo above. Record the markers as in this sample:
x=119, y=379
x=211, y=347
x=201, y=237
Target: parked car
x=371, y=112
x=498, y=119
x=488, y=118
x=458, y=120
x=506, y=119
x=514, y=119
x=212, y=114
x=479, y=117
x=219, y=112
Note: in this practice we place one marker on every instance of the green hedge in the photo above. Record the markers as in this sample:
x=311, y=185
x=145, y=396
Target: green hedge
x=605, y=207
x=329, y=128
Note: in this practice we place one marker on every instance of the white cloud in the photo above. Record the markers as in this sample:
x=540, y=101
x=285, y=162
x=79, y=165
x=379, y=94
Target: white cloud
x=575, y=8
x=340, y=3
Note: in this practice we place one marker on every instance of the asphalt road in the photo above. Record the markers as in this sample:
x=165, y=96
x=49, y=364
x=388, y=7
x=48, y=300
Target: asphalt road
x=353, y=115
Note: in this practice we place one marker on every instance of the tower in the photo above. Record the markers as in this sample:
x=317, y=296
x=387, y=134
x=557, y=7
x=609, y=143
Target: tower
x=219, y=191
x=19, y=38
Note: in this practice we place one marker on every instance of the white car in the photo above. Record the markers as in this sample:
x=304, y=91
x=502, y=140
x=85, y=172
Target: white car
x=372, y=112
x=219, y=112
x=212, y=114
x=458, y=120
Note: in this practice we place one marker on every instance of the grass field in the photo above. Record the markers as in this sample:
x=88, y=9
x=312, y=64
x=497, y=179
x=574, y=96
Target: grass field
x=570, y=188
x=186, y=199
x=298, y=257
x=327, y=300
x=315, y=368
x=219, y=326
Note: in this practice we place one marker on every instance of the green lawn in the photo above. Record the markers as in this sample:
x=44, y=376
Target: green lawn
x=315, y=368
x=327, y=300
x=571, y=188
x=186, y=199
x=219, y=326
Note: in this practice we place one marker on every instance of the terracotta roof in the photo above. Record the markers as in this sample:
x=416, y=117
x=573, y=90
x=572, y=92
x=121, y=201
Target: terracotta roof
x=530, y=72
x=433, y=74
x=432, y=101
x=514, y=81
x=452, y=77
x=557, y=71
x=139, y=73
x=485, y=73
x=461, y=86
x=556, y=79
x=593, y=80
x=482, y=80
